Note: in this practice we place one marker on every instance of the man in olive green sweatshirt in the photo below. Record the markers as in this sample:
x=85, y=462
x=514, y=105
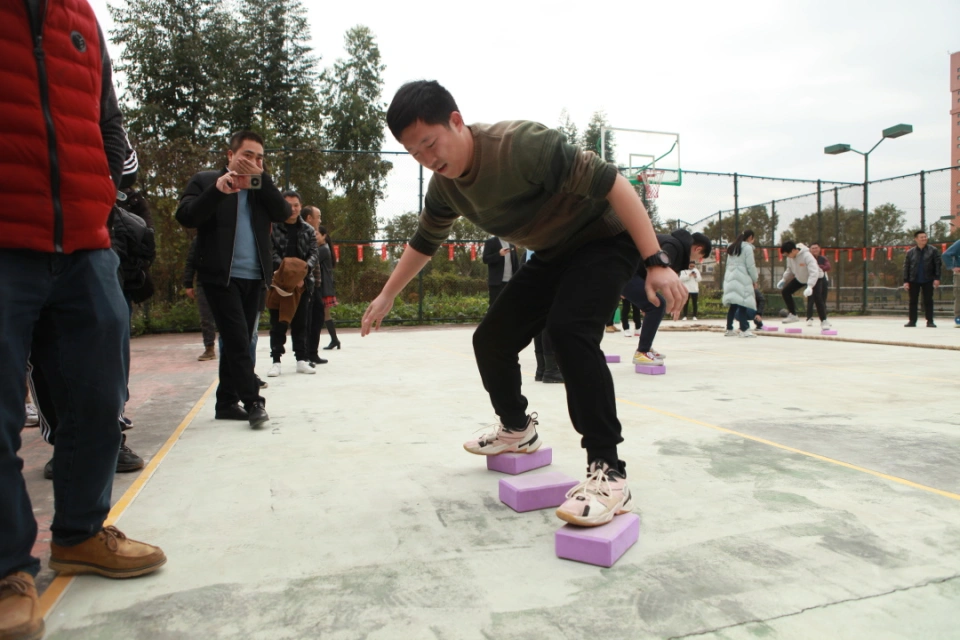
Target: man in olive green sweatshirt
x=524, y=182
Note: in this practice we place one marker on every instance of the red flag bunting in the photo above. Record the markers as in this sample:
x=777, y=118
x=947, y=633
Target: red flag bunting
x=836, y=255
x=718, y=255
x=383, y=252
x=450, y=248
x=766, y=254
x=873, y=253
x=889, y=253
x=336, y=252
x=943, y=248
x=359, y=253
x=473, y=253
x=849, y=255
x=779, y=254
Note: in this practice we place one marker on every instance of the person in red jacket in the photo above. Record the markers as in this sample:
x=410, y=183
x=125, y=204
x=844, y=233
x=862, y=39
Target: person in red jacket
x=64, y=156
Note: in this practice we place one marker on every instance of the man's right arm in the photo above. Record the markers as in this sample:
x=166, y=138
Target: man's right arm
x=199, y=202
x=190, y=268
x=409, y=265
x=491, y=251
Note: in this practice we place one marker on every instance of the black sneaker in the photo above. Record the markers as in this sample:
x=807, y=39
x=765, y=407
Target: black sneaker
x=232, y=412
x=127, y=460
x=910, y=324
x=315, y=360
x=263, y=385
x=931, y=325
x=257, y=415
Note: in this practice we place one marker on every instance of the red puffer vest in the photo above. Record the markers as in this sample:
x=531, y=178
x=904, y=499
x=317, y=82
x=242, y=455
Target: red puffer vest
x=55, y=182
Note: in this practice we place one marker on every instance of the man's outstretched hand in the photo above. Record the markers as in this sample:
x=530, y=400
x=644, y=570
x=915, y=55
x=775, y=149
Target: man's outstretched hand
x=667, y=282
x=375, y=314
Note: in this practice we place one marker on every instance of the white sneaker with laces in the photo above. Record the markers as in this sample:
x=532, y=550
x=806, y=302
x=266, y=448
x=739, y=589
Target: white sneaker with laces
x=504, y=440
x=304, y=367
x=274, y=370
x=694, y=318
x=596, y=500
x=748, y=334
x=731, y=333
x=825, y=324
x=809, y=322
x=683, y=319
x=32, y=418
x=792, y=317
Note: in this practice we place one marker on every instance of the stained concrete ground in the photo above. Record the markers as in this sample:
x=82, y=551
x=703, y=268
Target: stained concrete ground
x=787, y=489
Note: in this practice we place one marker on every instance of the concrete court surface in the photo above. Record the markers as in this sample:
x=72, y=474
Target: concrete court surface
x=787, y=489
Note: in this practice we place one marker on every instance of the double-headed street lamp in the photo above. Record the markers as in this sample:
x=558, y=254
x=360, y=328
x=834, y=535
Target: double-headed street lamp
x=836, y=149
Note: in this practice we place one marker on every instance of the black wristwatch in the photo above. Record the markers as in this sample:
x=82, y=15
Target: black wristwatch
x=659, y=259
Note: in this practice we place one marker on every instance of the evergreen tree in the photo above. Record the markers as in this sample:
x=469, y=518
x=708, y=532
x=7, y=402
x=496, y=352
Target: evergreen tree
x=591, y=136
x=567, y=127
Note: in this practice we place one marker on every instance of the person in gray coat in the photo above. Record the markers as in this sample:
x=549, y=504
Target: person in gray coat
x=738, y=284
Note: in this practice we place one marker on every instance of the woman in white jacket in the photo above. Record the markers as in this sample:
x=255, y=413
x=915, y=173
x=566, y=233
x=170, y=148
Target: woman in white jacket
x=802, y=272
x=691, y=278
x=738, y=284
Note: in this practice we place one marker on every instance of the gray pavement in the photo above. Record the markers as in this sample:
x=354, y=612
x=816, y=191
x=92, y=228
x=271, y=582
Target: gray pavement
x=787, y=489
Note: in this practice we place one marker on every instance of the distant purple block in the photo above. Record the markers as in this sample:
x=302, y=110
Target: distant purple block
x=601, y=546
x=793, y=330
x=828, y=332
x=515, y=463
x=651, y=369
x=535, y=491
x=770, y=327
x=612, y=358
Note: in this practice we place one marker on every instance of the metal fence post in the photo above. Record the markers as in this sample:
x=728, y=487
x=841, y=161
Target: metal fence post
x=286, y=169
x=923, y=200
x=420, y=275
x=819, y=217
x=773, y=234
x=736, y=205
x=836, y=239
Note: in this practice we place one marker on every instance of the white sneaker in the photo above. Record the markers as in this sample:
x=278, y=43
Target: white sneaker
x=825, y=324
x=683, y=319
x=731, y=333
x=694, y=318
x=503, y=440
x=627, y=333
x=791, y=318
x=809, y=322
x=748, y=334
x=32, y=418
x=658, y=354
x=596, y=500
x=304, y=367
x=274, y=370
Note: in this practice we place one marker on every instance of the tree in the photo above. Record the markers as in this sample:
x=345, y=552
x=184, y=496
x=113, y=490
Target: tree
x=567, y=127
x=755, y=218
x=591, y=137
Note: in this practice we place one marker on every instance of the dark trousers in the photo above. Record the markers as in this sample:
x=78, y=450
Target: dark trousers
x=236, y=309
x=915, y=289
x=495, y=291
x=694, y=295
x=742, y=314
x=572, y=298
x=652, y=315
x=74, y=302
x=208, y=326
x=298, y=330
x=625, y=307
x=818, y=297
x=823, y=293
x=314, y=324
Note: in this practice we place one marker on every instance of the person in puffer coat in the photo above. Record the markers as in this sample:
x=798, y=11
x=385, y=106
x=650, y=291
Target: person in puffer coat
x=738, y=284
x=802, y=272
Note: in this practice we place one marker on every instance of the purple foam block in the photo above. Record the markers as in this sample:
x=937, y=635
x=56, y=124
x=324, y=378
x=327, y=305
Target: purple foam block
x=793, y=330
x=535, y=491
x=515, y=463
x=828, y=332
x=601, y=545
x=770, y=327
x=651, y=369
x=612, y=358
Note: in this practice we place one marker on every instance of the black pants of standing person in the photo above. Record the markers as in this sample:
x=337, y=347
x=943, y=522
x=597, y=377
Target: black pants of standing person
x=495, y=291
x=818, y=296
x=915, y=289
x=694, y=295
x=625, y=307
x=236, y=309
x=572, y=298
x=314, y=325
x=823, y=292
x=208, y=326
x=298, y=330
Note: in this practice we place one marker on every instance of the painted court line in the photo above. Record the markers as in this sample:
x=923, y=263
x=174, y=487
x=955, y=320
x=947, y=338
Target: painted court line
x=841, y=463
x=51, y=596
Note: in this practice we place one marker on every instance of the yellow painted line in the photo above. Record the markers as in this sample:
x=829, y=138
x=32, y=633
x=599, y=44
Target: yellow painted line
x=51, y=596
x=841, y=463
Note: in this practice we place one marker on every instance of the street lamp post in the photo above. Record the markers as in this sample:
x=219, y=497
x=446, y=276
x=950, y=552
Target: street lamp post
x=836, y=149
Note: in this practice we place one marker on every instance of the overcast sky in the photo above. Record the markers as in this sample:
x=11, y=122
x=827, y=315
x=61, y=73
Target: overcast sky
x=752, y=87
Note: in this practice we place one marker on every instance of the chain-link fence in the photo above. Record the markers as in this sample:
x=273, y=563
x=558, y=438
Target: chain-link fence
x=866, y=252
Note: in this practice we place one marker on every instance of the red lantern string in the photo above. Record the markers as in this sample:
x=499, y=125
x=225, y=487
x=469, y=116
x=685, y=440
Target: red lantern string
x=336, y=252
x=873, y=253
x=836, y=255
x=450, y=248
x=383, y=252
x=889, y=253
x=473, y=253
x=766, y=254
x=849, y=255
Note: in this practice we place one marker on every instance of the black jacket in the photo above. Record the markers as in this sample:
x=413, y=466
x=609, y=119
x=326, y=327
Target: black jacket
x=214, y=215
x=931, y=263
x=133, y=242
x=306, y=248
x=328, y=286
x=677, y=246
x=496, y=262
x=190, y=267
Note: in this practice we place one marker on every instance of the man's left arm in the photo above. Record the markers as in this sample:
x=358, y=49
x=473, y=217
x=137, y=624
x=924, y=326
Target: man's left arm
x=936, y=267
x=111, y=120
x=314, y=255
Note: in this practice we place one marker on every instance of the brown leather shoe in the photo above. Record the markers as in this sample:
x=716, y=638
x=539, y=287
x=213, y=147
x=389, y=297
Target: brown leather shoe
x=20, y=617
x=208, y=354
x=110, y=554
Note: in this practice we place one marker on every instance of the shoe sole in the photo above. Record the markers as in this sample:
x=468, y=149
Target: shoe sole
x=593, y=522
x=127, y=468
x=77, y=568
x=259, y=423
x=230, y=418
x=515, y=449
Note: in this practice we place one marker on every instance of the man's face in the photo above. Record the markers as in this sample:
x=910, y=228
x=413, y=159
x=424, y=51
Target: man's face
x=921, y=240
x=696, y=254
x=313, y=218
x=251, y=152
x=440, y=148
x=815, y=250
x=793, y=254
x=295, y=207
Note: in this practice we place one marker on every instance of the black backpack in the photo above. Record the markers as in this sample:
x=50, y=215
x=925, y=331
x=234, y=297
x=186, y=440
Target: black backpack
x=134, y=243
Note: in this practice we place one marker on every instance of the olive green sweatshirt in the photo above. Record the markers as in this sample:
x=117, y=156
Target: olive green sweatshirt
x=526, y=185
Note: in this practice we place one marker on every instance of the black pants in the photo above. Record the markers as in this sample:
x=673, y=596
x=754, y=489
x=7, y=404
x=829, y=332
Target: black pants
x=208, y=326
x=625, y=307
x=314, y=324
x=818, y=298
x=823, y=292
x=915, y=289
x=298, y=330
x=495, y=291
x=236, y=309
x=572, y=298
x=691, y=298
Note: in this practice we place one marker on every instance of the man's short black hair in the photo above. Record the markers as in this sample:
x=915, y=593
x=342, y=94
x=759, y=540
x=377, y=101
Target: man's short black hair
x=423, y=100
x=702, y=241
x=293, y=194
x=237, y=139
x=918, y=232
x=788, y=246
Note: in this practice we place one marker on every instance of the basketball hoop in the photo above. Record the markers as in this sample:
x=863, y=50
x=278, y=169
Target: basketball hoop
x=651, y=181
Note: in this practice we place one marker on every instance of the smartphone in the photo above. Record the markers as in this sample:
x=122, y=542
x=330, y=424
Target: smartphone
x=247, y=181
